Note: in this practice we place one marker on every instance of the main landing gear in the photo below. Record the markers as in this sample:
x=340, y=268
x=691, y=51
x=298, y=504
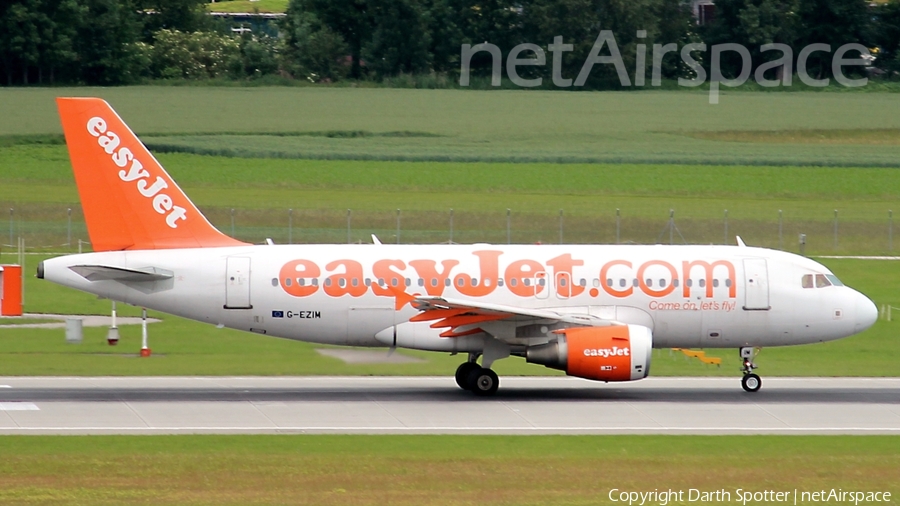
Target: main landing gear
x=750, y=382
x=479, y=380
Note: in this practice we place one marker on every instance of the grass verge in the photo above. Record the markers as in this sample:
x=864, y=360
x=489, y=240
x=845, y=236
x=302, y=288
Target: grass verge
x=442, y=470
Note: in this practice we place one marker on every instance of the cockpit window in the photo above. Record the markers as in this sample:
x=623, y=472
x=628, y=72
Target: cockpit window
x=807, y=281
x=819, y=280
x=834, y=280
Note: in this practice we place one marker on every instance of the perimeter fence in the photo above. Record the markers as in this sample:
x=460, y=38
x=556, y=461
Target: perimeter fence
x=56, y=228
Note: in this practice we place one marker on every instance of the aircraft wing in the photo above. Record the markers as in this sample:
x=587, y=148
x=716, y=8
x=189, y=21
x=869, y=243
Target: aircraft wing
x=464, y=317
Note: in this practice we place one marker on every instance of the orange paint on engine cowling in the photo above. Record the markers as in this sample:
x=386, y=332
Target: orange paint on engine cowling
x=599, y=353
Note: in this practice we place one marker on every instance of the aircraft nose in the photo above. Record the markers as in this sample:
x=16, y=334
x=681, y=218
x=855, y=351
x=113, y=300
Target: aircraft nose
x=866, y=313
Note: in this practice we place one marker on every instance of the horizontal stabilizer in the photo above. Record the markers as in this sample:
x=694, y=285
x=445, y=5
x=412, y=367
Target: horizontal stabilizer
x=121, y=274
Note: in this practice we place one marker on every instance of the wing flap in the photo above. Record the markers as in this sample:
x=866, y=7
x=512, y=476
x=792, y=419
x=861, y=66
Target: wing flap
x=464, y=317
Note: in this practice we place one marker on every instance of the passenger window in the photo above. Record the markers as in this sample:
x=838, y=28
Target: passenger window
x=728, y=282
x=562, y=281
x=689, y=283
x=287, y=281
x=662, y=283
x=301, y=281
x=634, y=282
x=474, y=281
x=675, y=282
x=822, y=281
x=583, y=282
x=447, y=282
x=596, y=283
x=315, y=281
x=608, y=281
x=807, y=281
x=702, y=283
x=715, y=283
x=354, y=281
x=421, y=282
x=649, y=282
x=622, y=283
x=513, y=282
x=500, y=282
x=434, y=282
x=328, y=282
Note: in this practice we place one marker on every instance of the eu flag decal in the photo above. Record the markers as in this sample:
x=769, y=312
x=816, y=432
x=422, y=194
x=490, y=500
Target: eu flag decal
x=277, y=314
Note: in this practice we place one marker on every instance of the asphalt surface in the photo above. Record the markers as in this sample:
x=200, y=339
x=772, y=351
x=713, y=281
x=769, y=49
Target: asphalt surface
x=418, y=405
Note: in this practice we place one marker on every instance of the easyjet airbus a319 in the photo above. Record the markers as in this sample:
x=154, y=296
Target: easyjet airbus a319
x=595, y=312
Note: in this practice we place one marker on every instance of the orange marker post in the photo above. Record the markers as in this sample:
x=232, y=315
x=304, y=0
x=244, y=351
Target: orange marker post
x=10, y=290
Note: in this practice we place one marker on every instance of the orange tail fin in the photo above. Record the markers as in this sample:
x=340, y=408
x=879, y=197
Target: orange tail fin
x=129, y=200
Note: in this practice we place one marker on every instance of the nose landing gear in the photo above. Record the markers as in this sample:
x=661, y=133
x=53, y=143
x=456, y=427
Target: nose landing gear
x=750, y=382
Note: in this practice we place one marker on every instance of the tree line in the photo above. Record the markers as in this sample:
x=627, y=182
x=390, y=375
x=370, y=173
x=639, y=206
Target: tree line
x=110, y=42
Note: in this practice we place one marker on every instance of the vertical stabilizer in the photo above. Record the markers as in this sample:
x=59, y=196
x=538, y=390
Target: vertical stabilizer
x=129, y=200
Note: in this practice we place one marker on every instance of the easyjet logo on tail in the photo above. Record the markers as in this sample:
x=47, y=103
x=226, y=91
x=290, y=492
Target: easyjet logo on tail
x=160, y=202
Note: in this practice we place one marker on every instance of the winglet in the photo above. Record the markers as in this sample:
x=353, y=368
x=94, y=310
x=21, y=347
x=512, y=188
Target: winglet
x=129, y=200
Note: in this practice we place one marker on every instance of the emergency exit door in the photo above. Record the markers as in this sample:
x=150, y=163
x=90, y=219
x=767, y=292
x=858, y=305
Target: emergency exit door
x=237, y=283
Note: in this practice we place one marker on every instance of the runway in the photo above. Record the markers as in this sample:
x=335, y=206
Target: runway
x=435, y=405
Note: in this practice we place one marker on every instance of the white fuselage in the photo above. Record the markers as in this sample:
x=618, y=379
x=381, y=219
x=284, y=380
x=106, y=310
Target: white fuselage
x=689, y=296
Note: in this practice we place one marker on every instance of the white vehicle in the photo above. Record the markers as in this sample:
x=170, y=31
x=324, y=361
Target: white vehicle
x=594, y=312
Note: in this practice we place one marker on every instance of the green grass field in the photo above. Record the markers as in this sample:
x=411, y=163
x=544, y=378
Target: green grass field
x=441, y=470
x=37, y=183
x=792, y=130
x=506, y=125
x=248, y=6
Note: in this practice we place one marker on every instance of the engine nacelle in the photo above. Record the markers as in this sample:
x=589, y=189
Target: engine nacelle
x=614, y=353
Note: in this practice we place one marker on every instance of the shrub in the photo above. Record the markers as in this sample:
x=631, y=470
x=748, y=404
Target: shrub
x=197, y=55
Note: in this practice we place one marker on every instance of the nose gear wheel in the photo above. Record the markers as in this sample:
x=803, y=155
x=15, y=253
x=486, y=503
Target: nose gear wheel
x=750, y=382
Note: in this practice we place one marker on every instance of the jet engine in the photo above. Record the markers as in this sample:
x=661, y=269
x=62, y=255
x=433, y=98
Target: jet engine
x=614, y=353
